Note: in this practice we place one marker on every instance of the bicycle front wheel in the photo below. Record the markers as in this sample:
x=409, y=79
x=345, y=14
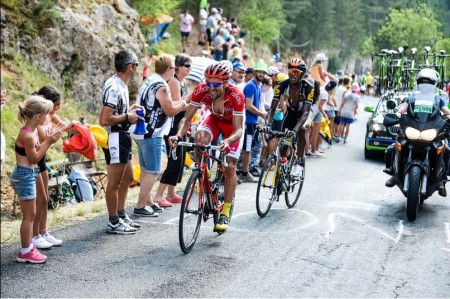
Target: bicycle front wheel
x=295, y=188
x=190, y=213
x=267, y=187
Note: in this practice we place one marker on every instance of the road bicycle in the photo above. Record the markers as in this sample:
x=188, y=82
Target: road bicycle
x=276, y=175
x=203, y=196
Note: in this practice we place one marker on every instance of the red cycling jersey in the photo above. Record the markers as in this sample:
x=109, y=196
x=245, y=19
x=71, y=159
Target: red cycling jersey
x=234, y=103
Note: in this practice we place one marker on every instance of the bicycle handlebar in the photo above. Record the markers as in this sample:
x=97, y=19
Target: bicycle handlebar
x=200, y=146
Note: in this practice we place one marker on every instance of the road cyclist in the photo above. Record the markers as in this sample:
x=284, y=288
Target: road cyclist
x=226, y=103
x=298, y=92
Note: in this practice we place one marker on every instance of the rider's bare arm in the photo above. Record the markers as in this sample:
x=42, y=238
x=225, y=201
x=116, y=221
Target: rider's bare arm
x=183, y=126
x=301, y=121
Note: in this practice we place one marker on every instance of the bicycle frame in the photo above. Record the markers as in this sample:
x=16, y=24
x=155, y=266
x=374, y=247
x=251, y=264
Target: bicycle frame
x=207, y=188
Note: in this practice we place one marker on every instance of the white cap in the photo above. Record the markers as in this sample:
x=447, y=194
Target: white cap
x=321, y=57
x=214, y=10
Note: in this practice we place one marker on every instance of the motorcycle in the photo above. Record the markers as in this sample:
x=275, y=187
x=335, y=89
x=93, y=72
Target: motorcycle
x=421, y=150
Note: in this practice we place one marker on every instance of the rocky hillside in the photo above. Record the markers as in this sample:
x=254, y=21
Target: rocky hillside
x=73, y=42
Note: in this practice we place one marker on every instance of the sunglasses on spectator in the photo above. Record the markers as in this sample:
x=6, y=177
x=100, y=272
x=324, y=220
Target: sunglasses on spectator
x=187, y=65
x=294, y=72
x=213, y=84
x=134, y=63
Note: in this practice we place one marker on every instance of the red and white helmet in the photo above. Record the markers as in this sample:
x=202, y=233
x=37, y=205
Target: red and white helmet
x=220, y=70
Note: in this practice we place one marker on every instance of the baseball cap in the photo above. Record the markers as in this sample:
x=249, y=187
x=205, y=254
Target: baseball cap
x=249, y=70
x=239, y=65
x=214, y=10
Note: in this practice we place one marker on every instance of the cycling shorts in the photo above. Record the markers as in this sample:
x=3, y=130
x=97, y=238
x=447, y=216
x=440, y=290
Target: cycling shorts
x=215, y=128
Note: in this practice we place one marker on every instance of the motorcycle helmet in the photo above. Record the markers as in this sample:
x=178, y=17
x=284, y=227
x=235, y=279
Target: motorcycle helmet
x=428, y=76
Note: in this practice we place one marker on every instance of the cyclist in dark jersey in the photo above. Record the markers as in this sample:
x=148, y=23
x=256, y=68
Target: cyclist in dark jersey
x=298, y=92
x=227, y=106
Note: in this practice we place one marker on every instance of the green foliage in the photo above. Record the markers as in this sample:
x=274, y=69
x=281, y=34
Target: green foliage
x=155, y=8
x=334, y=64
x=444, y=44
x=414, y=28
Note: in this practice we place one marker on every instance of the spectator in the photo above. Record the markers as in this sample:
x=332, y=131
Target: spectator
x=252, y=93
x=116, y=116
x=238, y=74
x=156, y=99
x=245, y=58
x=211, y=24
x=219, y=42
x=29, y=151
x=318, y=72
x=174, y=170
x=348, y=110
x=248, y=74
x=147, y=65
x=202, y=16
x=330, y=107
x=186, y=21
x=41, y=238
x=340, y=91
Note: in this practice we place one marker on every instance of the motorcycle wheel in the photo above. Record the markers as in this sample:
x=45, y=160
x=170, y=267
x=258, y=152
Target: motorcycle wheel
x=413, y=195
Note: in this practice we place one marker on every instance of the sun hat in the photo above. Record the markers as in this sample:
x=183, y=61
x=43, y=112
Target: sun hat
x=355, y=87
x=330, y=85
x=260, y=67
x=320, y=57
x=100, y=135
x=273, y=70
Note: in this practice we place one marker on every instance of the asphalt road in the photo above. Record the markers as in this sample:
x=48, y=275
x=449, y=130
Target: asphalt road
x=348, y=236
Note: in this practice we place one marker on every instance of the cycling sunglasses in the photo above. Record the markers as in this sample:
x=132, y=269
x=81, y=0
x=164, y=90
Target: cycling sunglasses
x=213, y=84
x=294, y=72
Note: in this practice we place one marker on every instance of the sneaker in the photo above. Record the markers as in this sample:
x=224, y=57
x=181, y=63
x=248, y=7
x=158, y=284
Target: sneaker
x=130, y=222
x=255, y=172
x=176, y=199
x=120, y=228
x=163, y=203
x=317, y=154
x=155, y=207
x=49, y=238
x=34, y=257
x=391, y=182
x=249, y=178
x=297, y=169
x=310, y=154
x=222, y=224
x=145, y=211
x=41, y=243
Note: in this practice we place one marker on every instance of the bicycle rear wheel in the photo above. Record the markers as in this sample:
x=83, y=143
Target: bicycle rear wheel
x=190, y=213
x=267, y=187
x=295, y=188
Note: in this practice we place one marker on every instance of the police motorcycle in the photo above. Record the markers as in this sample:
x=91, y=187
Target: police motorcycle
x=420, y=155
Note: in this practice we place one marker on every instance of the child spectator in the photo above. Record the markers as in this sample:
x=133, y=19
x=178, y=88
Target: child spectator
x=33, y=112
x=348, y=111
x=41, y=238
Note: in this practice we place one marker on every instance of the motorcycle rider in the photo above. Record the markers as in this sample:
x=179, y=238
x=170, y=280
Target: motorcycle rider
x=424, y=79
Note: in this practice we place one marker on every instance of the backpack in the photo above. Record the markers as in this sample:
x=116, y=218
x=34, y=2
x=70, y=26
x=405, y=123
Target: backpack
x=81, y=186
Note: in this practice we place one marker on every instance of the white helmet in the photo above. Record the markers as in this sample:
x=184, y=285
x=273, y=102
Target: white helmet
x=428, y=76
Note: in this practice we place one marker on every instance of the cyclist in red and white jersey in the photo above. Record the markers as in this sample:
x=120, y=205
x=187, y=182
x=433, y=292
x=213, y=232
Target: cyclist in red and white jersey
x=227, y=105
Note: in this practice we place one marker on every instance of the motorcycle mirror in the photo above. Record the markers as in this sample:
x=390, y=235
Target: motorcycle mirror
x=390, y=119
x=391, y=104
x=413, y=50
x=427, y=49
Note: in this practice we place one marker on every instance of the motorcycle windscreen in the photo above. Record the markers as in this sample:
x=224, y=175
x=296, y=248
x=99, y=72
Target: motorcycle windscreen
x=424, y=107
